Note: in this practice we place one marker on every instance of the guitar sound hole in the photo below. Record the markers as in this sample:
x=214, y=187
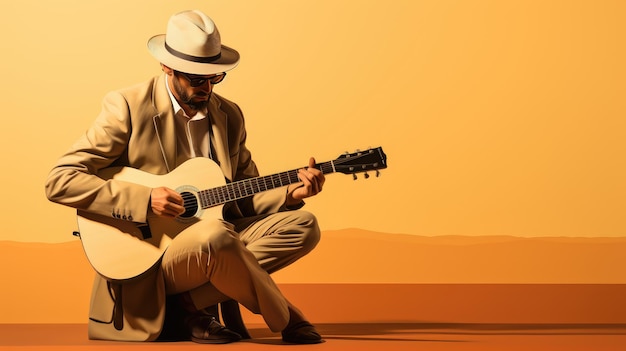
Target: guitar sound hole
x=190, y=202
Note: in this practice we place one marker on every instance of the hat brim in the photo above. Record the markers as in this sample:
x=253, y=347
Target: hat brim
x=228, y=60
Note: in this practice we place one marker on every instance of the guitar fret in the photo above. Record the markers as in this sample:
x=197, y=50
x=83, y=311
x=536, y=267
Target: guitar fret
x=203, y=198
x=248, y=187
x=226, y=194
x=216, y=196
x=213, y=193
x=237, y=189
x=267, y=186
x=231, y=191
x=234, y=191
x=293, y=177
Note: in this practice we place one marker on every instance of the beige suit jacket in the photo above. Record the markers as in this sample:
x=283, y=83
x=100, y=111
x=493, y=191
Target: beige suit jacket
x=136, y=128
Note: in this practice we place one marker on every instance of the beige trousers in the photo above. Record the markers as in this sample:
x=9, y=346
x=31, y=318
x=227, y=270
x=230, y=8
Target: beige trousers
x=215, y=260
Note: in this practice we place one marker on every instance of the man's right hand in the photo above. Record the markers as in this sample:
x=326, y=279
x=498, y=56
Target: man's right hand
x=165, y=202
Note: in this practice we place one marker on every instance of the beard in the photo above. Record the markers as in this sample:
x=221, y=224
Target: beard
x=187, y=99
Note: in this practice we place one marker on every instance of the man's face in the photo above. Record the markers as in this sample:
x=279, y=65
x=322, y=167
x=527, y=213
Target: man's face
x=194, y=90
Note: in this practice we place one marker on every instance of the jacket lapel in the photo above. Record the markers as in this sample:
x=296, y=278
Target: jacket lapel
x=219, y=136
x=164, y=122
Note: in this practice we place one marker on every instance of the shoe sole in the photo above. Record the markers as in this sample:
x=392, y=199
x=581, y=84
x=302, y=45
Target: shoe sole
x=303, y=341
x=213, y=341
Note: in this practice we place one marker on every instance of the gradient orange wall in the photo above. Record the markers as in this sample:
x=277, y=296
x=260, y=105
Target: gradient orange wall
x=498, y=117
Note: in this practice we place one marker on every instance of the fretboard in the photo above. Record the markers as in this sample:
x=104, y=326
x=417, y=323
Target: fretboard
x=248, y=187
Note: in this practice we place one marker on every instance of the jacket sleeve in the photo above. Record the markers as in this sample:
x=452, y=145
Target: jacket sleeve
x=74, y=181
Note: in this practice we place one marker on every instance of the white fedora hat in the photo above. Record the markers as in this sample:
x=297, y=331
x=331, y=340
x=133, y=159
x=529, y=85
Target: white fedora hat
x=192, y=45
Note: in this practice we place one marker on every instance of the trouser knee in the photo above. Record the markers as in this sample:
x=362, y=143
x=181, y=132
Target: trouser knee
x=311, y=233
x=219, y=237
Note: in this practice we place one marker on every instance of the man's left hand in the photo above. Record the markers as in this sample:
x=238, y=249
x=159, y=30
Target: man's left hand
x=312, y=182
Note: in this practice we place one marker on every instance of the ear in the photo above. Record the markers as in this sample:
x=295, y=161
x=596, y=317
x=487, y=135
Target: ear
x=167, y=70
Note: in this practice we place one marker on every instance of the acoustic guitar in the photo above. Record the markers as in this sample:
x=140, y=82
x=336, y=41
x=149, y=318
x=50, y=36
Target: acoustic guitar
x=119, y=249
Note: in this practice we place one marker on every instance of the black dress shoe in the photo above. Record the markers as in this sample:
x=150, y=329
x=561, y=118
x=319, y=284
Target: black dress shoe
x=301, y=333
x=205, y=329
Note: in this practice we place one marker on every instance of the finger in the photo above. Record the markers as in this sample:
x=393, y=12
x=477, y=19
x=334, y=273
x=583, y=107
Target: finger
x=175, y=203
x=319, y=178
x=175, y=209
x=163, y=210
x=310, y=182
x=304, y=177
x=174, y=197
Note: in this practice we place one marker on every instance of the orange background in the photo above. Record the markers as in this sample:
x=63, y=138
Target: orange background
x=499, y=118
x=51, y=282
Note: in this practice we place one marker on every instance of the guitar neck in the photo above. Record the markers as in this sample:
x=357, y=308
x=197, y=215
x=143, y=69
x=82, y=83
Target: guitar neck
x=248, y=187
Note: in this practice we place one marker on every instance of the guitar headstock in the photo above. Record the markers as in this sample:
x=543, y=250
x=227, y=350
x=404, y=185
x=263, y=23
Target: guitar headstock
x=361, y=161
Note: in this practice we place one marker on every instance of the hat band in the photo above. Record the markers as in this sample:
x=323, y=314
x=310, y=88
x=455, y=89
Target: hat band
x=199, y=59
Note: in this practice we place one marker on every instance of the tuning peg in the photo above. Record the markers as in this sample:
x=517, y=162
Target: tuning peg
x=354, y=176
x=377, y=173
x=366, y=175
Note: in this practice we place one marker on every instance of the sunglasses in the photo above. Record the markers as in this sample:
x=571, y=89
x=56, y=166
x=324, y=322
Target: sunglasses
x=196, y=81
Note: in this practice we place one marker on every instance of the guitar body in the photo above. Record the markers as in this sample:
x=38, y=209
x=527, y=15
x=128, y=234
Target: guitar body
x=119, y=249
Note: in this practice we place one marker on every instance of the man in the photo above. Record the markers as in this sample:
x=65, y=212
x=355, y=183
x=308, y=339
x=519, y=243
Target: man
x=155, y=127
